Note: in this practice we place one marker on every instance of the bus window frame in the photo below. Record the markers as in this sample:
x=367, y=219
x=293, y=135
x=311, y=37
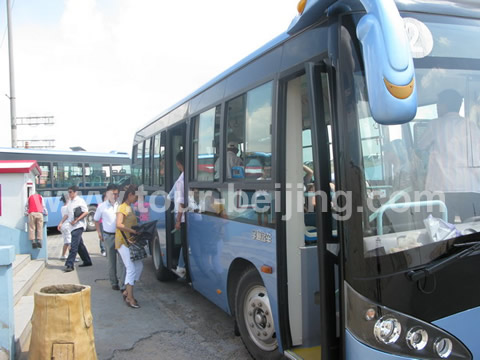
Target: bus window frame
x=81, y=185
x=155, y=182
x=142, y=167
x=142, y=157
x=243, y=183
x=50, y=176
x=190, y=140
x=149, y=163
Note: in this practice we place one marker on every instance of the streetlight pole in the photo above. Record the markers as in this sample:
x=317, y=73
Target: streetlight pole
x=12, y=80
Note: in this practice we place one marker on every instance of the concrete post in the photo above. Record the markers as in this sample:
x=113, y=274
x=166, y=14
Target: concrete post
x=7, y=329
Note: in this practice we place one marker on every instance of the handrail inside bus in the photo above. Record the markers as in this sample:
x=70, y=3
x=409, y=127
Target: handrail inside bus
x=410, y=205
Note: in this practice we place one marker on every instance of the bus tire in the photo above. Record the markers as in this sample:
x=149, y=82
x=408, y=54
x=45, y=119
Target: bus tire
x=254, y=317
x=91, y=214
x=161, y=272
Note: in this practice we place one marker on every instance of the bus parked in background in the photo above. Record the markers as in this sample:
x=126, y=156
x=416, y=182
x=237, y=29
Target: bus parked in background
x=91, y=172
x=347, y=226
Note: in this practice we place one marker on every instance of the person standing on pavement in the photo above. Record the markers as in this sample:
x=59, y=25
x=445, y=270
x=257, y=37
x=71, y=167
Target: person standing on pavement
x=77, y=212
x=107, y=214
x=65, y=228
x=124, y=235
x=101, y=242
x=35, y=209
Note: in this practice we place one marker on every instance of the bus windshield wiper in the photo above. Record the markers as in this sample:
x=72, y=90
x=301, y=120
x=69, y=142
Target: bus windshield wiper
x=418, y=274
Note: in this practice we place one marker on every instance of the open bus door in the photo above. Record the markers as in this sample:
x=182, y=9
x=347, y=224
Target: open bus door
x=327, y=243
x=308, y=232
x=175, y=144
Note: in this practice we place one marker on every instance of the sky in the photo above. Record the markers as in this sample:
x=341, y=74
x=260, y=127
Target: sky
x=103, y=68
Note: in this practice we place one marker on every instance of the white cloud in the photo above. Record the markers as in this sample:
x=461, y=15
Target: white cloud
x=102, y=74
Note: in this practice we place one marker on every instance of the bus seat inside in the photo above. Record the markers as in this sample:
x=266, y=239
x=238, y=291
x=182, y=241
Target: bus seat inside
x=238, y=172
x=310, y=235
x=253, y=168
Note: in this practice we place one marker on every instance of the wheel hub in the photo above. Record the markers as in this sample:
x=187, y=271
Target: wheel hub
x=259, y=319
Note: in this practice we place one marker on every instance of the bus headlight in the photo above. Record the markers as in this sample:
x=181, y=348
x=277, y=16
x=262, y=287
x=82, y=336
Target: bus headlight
x=387, y=329
x=396, y=333
x=443, y=347
x=417, y=338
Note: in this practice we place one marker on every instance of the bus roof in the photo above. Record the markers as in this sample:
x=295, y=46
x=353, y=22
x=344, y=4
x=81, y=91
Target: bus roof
x=75, y=154
x=461, y=8
x=265, y=48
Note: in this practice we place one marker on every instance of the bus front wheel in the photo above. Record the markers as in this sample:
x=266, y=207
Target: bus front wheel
x=253, y=315
x=90, y=221
x=161, y=272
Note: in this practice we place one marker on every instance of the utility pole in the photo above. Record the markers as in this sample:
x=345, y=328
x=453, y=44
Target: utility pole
x=12, y=80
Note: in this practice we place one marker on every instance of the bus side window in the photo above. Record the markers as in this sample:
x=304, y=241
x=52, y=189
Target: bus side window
x=44, y=180
x=205, y=144
x=67, y=174
x=235, y=140
x=120, y=174
x=96, y=174
x=207, y=201
x=146, y=162
x=255, y=207
x=137, y=164
x=249, y=134
x=159, y=160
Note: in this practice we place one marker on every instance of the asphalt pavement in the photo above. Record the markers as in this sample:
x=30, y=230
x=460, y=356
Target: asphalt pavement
x=174, y=321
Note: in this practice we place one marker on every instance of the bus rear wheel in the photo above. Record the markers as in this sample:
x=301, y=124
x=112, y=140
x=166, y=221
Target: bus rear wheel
x=253, y=315
x=90, y=221
x=161, y=272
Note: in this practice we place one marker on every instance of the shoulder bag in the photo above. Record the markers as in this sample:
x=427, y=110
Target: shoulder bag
x=137, y=252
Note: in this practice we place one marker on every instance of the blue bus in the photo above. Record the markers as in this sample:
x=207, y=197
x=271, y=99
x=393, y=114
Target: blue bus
x=90, y=171
x=374, y=108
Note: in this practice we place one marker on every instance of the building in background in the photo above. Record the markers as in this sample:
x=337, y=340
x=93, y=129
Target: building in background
x=35, y=132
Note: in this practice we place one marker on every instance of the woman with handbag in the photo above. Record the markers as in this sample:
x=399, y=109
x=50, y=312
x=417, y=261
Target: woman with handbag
x=124, y=243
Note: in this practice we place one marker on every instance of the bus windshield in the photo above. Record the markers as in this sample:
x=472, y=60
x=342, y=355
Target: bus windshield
x=421, y=180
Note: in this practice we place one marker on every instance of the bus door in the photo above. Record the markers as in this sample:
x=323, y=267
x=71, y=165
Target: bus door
x=319, y=85
x=175, y=144
x=308, y=217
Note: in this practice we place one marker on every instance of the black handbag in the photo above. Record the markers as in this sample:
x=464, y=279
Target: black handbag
x=137, y=251
x=77, y=212
x=145, y=232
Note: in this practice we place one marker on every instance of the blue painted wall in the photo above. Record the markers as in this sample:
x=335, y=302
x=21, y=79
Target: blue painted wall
x=7, y=329
x=19, y=239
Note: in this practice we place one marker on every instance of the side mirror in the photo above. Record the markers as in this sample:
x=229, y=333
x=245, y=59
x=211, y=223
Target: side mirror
x=389, y=70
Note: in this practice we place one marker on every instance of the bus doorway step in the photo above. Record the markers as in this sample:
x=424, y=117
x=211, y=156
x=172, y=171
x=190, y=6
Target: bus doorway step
x=313, y=353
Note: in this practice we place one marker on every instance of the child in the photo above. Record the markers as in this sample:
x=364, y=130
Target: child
x=65, y=229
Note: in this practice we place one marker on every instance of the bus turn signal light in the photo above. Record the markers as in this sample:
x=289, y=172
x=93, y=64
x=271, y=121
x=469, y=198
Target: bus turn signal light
x=400, y=92
x=301, y=6
x=266, y=269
